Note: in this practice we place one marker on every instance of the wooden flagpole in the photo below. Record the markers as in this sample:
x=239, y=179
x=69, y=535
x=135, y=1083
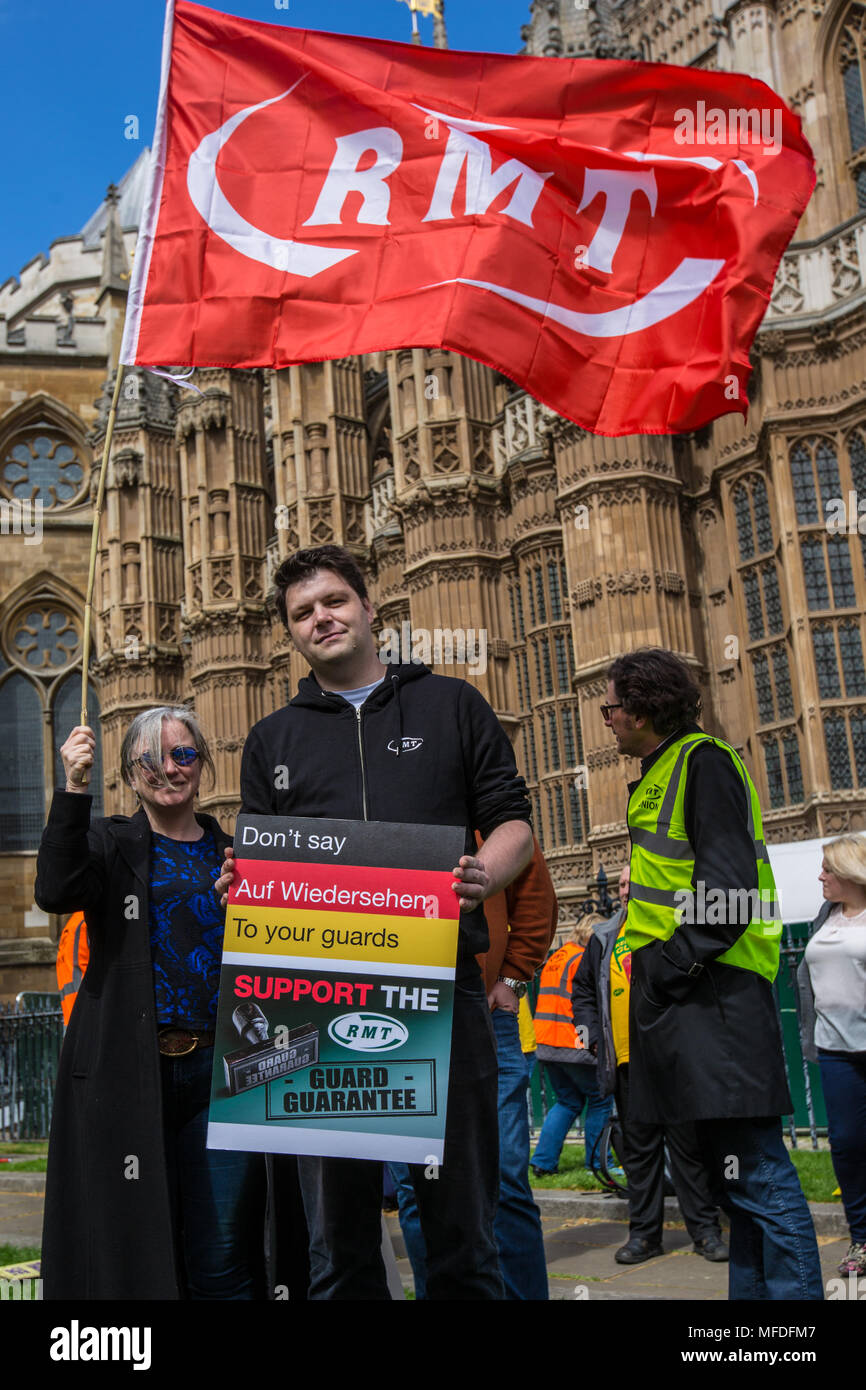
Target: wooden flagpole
x=94, y=545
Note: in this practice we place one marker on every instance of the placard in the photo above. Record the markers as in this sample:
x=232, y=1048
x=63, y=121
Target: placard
x=333, y=1033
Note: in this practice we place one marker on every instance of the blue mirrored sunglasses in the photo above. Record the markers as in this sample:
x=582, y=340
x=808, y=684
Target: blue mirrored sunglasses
x=181, y=757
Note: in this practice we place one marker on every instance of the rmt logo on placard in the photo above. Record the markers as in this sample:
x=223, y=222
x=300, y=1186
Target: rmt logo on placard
x=363, y=1032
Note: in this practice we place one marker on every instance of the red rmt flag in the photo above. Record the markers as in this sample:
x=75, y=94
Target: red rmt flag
x=604, y=233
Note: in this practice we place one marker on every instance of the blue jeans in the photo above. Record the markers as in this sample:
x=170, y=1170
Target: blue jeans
x=576, y=1086
x=843, y=1079
x=343, y=1196
x=517, y=1226
x=774, y=1253
x=217, y=1196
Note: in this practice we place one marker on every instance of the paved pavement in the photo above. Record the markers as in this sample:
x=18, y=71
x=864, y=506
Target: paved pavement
x=581, y=1233
x=21, y=1198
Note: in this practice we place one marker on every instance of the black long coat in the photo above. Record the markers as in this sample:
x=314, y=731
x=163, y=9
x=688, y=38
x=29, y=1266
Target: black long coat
x=712, y=1053
x=107, y=1225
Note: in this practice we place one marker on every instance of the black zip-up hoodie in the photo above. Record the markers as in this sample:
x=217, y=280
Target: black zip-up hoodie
x=424, y=749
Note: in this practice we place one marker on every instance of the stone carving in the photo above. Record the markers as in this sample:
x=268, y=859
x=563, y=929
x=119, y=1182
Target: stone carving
x=787, y=297
x=221, y=586
x=772, y=344
x=213, y=409
x=845, y=264
x=628, y=583
x=445, y=448
x=321, y=523
x=827, y=344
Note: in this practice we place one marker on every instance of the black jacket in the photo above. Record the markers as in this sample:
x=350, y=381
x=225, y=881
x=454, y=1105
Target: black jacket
x=107, y=1234
x=708, y=1044
x=423, y=749
x=590, y=999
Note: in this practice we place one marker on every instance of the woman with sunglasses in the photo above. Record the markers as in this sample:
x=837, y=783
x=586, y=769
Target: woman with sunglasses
x=136, y=1205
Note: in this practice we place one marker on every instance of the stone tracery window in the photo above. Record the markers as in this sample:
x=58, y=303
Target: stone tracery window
x=44, y=638
x=42, y=465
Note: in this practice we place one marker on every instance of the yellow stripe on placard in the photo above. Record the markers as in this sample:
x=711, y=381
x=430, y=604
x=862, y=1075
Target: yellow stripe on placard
x=363, y=936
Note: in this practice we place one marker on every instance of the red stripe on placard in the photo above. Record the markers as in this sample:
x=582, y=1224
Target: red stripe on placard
x=344, y=888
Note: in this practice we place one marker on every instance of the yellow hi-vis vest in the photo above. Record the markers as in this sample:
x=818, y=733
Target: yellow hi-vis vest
x=662, y=894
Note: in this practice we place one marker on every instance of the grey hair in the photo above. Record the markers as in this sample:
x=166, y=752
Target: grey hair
x=144, y=735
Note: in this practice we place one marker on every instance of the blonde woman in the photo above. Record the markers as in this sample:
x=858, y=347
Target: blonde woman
x=832, y=980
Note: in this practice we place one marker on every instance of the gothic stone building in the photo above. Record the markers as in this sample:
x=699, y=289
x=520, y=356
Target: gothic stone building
x=471, y=505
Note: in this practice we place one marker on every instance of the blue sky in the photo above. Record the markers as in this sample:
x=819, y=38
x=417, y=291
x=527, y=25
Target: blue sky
x=75, y=69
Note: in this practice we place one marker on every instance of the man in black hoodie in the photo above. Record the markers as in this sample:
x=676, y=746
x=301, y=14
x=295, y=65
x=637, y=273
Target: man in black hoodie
x=365, y=741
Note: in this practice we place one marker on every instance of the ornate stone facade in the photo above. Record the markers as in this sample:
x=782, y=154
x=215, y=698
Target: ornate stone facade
x=472, y=506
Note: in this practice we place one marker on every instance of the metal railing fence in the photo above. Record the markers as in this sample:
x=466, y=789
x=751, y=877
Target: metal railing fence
x=31, y=1032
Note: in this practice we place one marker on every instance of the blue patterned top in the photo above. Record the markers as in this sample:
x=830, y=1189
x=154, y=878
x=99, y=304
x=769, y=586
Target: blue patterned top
x=186, y=929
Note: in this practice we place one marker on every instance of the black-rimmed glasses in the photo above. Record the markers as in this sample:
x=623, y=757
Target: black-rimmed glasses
x=606, y=709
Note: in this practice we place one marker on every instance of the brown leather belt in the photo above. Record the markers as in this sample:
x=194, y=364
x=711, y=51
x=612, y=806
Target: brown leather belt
x=177, y=1042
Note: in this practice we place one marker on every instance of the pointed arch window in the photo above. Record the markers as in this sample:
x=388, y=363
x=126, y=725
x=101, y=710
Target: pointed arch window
x=22, y=791
x=40, y=703
x=65, y=714
x=42, y=455
x=852, y=66
x=783, y=768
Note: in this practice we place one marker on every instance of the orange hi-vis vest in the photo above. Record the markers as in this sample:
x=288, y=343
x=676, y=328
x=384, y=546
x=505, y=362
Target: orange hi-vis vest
x=554, y=1022
x=73, y=953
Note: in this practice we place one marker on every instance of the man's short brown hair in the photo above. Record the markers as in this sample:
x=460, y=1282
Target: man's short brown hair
x=305, y=563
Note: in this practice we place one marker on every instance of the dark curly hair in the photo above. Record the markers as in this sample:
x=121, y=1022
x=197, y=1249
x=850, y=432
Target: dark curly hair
x=654, y=683
x=304, y=563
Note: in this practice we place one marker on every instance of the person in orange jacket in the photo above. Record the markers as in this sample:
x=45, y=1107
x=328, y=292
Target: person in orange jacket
x=73, y=953
x=569, y=1064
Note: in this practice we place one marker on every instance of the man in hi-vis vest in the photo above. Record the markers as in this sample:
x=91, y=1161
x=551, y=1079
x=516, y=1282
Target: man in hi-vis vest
x=704, y=932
